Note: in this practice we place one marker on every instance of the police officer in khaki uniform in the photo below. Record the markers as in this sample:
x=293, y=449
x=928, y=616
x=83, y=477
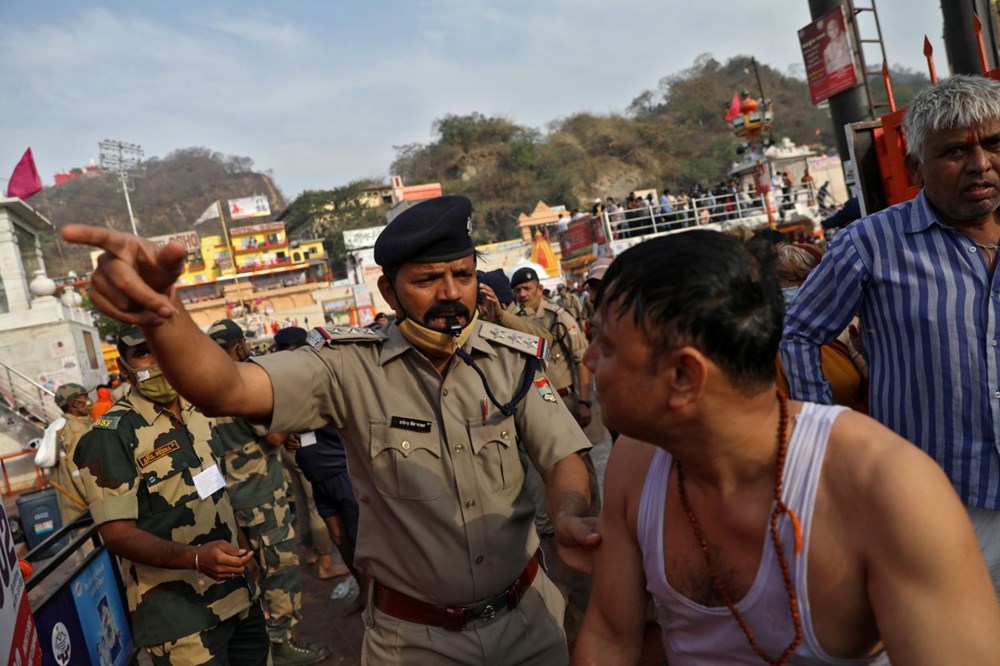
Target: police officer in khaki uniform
x=150, y=471
x=74, y=401
x=570, y=377
x=429, y=410
x=255, y=481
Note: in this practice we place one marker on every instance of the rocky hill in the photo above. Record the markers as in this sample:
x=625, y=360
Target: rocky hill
x=171, y=195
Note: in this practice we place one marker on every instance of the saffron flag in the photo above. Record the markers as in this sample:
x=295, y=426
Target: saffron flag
x=24, y=182
x=210, y=213
x=734, y=108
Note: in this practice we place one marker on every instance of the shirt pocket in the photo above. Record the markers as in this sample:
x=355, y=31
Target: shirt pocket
x=406, y=464
x=494, y=446
x=169, y=481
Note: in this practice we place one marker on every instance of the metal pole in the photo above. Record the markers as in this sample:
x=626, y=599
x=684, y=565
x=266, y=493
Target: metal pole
x=128, y=201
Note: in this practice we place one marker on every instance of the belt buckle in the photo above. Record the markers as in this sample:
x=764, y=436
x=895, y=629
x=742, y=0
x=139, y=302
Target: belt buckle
x=493, y=608
x=489, y=612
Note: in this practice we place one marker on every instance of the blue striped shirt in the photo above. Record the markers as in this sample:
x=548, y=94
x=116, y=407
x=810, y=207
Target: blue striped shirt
x=929, y=312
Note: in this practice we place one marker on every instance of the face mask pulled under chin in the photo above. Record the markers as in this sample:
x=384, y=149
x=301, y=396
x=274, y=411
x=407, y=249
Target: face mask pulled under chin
x=436, y=343
x=152, y=385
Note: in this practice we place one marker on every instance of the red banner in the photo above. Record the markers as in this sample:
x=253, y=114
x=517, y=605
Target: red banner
x=826, y=50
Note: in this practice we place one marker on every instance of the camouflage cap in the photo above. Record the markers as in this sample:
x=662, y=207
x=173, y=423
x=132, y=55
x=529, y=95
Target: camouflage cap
x=66, y=393
x=130, y=335
x=225, y=331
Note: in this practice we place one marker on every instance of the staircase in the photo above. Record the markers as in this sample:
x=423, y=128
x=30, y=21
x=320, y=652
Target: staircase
x=25, y=405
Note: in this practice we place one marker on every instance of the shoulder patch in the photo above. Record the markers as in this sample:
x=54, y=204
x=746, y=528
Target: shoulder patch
x=108, y=421
x=332, y=335
x=525, y=343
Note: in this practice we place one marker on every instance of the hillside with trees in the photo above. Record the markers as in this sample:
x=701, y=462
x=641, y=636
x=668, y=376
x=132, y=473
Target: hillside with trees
x=671, y=137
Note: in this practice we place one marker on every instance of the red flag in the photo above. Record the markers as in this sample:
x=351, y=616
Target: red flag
x=734, y=108
x=24, y=182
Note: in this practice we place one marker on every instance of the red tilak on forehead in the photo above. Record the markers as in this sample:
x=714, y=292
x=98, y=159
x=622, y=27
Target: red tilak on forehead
x=970, y=138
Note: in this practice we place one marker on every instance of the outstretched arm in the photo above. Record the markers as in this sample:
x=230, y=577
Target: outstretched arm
x=134, y=283
x=613, y=626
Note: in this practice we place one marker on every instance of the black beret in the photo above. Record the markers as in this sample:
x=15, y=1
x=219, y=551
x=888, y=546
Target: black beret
x=522, y=275
x=438, y=229
x=290, y=336
x=498, y=282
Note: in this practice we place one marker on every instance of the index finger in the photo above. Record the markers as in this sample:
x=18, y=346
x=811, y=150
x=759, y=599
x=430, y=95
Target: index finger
x=108, y=240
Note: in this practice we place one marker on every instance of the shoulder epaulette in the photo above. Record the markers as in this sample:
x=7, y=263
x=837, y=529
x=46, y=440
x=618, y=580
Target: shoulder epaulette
x=107, y=421
x=525, y=343
x=554, y=307
x=332, y=335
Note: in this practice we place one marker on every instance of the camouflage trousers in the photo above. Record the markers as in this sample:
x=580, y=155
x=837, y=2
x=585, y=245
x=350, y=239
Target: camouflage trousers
x=241, y=639
x=271, y=535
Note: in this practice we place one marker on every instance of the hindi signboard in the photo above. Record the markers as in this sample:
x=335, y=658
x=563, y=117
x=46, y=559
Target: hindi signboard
x=359, y=239
x=829, y=60
x=189, y=239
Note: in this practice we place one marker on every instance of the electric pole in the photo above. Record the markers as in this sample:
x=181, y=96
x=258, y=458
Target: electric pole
x=124, y=159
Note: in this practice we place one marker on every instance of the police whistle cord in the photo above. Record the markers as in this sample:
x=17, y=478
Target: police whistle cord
x=511, y=407
x=560, y=334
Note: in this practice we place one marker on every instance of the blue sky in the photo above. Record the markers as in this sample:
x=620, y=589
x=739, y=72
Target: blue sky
x=319, y=92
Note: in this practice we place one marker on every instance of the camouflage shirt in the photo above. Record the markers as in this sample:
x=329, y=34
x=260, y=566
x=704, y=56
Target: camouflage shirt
x=137, y=463
x=254, y=473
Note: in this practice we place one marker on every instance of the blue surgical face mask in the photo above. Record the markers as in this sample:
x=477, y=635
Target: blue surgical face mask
x=789, y=293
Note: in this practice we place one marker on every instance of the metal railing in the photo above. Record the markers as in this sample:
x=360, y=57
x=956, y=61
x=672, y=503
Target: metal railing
x=730, y=209
x=25, y=398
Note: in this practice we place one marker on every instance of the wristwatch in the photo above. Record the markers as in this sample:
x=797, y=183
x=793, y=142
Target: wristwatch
x=585, y=403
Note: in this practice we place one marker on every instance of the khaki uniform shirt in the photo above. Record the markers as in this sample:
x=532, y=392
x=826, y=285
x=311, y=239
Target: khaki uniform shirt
x=445, y=516
x=137, y=463
x=254, y=473
x=66, y=473
x=568, y=344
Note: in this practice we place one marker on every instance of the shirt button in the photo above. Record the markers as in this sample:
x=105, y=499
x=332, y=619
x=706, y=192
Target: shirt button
x=479, y=560
x=972, y=249
x=994, y=343
x=470, y=504
x=459, y=448
x=444, y=391
x=405, y=445
x=997, y=394
x=503, y=434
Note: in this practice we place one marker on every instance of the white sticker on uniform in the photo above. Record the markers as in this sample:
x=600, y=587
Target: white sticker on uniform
x=208, y=481
x=307, y=438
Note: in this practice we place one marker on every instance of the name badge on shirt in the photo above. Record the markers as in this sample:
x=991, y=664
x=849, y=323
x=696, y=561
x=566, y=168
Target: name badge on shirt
x=416, y=425
x=307, y=438
x=208, y=481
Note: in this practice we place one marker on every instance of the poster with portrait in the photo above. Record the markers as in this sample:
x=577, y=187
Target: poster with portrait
x=829, y=60
x=101, y=612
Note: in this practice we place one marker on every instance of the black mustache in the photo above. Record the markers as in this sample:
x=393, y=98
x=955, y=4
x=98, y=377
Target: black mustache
x=447, y=310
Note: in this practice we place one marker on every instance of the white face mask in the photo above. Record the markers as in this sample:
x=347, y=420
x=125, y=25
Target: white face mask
x=789, y=294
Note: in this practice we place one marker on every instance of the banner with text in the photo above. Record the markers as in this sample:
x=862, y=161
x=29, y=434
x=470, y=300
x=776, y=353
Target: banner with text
x=829, y=60
x=255, y=206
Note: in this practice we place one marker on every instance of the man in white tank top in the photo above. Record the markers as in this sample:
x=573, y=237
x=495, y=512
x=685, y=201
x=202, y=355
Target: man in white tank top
x=766, y=530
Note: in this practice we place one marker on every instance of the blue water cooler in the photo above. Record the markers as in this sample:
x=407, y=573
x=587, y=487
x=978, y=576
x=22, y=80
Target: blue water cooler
x=39, y=511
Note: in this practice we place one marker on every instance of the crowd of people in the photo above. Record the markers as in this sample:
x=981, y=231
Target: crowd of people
x=762, y=524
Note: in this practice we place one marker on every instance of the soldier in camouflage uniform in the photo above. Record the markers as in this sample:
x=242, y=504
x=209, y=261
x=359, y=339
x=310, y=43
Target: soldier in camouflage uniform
x=75, y=403
x=150, y=472
x=259, y=494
